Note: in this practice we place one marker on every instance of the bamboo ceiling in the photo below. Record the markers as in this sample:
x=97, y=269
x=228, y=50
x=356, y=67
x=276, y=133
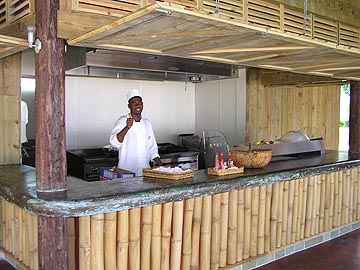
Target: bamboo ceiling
x=251, y=33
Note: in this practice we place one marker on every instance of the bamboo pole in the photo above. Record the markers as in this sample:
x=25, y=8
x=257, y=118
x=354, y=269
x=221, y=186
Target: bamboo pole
x=303, y=208
x=247, y=223
x=110, y=241
x=241, y=224
x=33, y=242
x=224, y=227
x=85, y=253
x=254, y=221
x=346, y=197
x=290, y=211
x=341, y=195
x=314, y=206
x=35, y=225
x=188, y=217
x=205, y=239
x=327, y=202
x=318, y=204
x=299, y=210
x=97, y=242
x=155, y=251
x=358, y=198
x=11, y=228
x=195, y=241
x=134, y=238
x=19, y=233
x=26, y=239
x=309, y=206
x=282, y=225
x=16, y=231
x=6, y=225
x=165, y=235
x=145, y=243
x=261, y=225
x=352, y=196
x=177, y=235
x=232, y=228
x=295, y=211
x=72, y=243
x=269, y=189
x=122, y=237
x=3, y=223
x=322, y=204
x=215, y=232
x=274, y=215
x=332, y=196
x=336, y=200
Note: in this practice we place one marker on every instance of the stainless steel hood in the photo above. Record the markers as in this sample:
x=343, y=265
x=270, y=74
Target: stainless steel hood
x=128, y=65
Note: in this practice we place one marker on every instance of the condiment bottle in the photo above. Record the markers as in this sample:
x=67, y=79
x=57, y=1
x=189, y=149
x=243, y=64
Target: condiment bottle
x=230, y=161
x=217, y=162
x=221, y=160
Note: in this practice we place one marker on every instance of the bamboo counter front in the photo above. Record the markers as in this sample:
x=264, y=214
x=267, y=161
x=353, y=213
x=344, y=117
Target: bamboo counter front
x=203, y=222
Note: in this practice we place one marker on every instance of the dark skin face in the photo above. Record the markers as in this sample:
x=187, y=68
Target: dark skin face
x=136, y=107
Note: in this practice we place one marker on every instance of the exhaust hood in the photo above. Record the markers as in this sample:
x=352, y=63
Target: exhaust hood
x=128, y=65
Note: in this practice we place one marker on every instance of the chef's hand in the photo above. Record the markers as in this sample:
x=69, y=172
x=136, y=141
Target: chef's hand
x=129, y=122
x=158, y=161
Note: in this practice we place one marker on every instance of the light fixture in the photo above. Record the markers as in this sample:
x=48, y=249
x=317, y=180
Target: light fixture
x=33, y=43
x=163, y=11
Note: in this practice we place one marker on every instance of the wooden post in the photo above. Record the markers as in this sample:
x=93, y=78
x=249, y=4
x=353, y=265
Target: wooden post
x=354, y=120
x=53, y=243
x=50, y=133
x=50, y=101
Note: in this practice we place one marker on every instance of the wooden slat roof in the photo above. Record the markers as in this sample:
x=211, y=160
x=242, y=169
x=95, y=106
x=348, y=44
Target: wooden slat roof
x=251, y=33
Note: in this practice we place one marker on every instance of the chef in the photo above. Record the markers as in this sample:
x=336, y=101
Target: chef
x=134, y=137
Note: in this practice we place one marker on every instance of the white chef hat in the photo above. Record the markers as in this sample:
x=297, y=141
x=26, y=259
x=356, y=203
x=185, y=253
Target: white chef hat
x=133, y=93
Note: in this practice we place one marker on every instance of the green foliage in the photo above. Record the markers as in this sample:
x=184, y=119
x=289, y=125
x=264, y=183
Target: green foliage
x=344, y=123
x=346, y=89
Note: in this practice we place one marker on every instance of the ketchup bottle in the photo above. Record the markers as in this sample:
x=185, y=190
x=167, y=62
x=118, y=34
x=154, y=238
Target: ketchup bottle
x=217, y=162
x=221, y=161
x=230, y=161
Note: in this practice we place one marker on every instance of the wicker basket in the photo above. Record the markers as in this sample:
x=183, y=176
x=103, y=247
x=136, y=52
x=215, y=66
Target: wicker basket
x=252, y=158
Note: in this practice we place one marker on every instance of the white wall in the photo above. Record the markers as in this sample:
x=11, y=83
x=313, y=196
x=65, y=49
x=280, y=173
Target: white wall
x=94, y=104
x=221, y=105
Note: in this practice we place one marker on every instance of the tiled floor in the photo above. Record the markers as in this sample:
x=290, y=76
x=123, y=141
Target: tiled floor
x=342, y=253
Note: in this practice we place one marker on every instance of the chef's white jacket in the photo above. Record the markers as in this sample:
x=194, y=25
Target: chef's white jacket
x=139, y=146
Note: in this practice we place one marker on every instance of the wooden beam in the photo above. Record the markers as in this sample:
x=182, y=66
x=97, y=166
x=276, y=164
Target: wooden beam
x=123, y=23
x=354, y=121
x=254, y=49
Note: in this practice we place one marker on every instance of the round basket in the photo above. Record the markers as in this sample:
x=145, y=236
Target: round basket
x=253, y=158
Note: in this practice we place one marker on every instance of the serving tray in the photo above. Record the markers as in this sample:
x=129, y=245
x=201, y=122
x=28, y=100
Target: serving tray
x=168, y=175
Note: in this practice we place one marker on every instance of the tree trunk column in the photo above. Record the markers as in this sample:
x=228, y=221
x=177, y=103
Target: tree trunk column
x=50, y=101
x=354, y=121
x=50, y=134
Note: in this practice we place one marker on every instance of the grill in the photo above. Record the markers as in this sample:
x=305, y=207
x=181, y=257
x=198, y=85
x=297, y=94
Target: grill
x=86, y=163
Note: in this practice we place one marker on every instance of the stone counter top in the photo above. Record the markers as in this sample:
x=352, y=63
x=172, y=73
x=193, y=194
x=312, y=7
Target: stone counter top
x=18, y=185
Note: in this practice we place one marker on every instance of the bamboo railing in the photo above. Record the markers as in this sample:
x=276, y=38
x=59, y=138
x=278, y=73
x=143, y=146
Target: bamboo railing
x=208, y=232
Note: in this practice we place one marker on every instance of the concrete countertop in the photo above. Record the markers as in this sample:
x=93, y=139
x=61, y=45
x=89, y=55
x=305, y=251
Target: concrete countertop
x=18, y=185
